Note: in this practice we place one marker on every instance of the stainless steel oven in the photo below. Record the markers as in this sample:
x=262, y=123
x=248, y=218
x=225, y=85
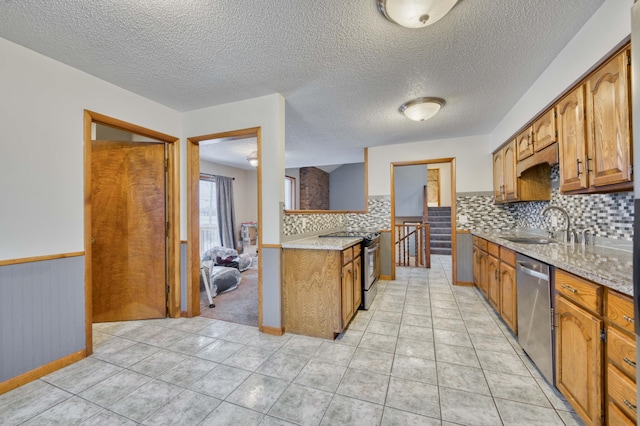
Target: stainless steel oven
x=371, y=266
x=370, y=262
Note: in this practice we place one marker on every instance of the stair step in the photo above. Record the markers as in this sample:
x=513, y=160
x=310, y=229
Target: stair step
x=439, y=219
x=440, y=231
x=444, y=244
x=441, y=251
x=440, y=237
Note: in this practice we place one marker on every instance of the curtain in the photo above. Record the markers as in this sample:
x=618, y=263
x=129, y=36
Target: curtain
x=226, y=213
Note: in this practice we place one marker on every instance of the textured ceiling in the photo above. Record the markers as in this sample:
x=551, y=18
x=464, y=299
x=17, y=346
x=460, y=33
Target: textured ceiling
x=342, y=67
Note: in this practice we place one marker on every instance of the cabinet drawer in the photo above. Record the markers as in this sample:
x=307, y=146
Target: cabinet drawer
x=494, y=250
x=622, y=391
x=619, y=310
x=621, y=352
x=347, y=255
x=480, y=243
x=579, y=290
x=615, y=416
x=356, y=250
x=508, y=256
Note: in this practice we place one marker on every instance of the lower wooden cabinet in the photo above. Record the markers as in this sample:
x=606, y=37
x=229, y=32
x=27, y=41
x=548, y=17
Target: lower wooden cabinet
x=508, y=291
x=579, y=359
x=322, y=290
x=493, y=283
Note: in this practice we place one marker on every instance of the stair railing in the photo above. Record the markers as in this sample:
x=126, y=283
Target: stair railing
x=418, y=236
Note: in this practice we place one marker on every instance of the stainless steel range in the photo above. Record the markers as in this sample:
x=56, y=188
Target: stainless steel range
x=370, y=262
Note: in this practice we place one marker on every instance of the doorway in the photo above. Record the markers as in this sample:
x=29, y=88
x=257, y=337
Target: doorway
x=417, y=208
x=131, y=222
x=248, y=241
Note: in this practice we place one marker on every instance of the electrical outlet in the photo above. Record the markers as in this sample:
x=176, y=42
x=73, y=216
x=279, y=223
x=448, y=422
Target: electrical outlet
x=304, y=222
x=463, y=219
x=554, y=221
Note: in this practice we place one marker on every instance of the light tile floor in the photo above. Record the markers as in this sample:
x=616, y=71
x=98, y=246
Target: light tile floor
x=426, y=353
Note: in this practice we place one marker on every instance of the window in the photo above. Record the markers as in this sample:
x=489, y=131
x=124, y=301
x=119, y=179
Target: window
x=209, y=233
x=289, y=193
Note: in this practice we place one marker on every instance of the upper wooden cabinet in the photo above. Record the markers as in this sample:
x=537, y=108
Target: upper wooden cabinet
x=544, y=130
x=505, y=185
x=608, y=136
x=594, y=131
x=524, y=143
x=572, y=137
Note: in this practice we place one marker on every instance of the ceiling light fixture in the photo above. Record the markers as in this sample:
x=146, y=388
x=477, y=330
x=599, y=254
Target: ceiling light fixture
x=253, y=159
x=422, y=109
x=415, y=13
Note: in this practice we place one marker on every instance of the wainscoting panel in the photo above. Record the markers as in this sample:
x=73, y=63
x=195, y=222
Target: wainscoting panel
x=42, y=313
x=271, y=293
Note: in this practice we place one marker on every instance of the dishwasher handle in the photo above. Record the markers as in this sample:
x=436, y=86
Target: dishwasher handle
x=525, y=268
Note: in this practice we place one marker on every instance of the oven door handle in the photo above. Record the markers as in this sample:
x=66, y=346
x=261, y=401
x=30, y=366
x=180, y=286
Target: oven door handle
x=372, y=248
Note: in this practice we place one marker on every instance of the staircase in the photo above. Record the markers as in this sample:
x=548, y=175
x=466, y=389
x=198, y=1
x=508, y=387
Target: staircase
x=440, y=221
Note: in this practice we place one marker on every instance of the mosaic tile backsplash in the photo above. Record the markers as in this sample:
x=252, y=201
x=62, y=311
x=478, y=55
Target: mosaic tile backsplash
x=377, y=217
x=608, y=215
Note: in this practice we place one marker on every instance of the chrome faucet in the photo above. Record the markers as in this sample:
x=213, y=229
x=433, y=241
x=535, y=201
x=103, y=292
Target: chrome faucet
x=569, y=234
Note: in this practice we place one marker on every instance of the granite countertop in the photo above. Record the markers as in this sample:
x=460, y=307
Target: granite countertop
x=610, y=267
x=318, y=243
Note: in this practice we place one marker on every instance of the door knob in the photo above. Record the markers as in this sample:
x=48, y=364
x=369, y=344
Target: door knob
x=93, y=241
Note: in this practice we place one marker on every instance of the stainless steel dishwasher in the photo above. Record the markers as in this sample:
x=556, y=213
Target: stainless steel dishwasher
x=535, y=313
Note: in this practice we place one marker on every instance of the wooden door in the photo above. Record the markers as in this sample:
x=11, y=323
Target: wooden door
x=493, y=275
x=544, y=130
x=508, y=296
x=128, y=200
x=357, y=283
x=608, y=123
x=524, y=144
x=579, y=360
x=498, y=187
x=572, y=141
x=509, y=173
x=347, y=293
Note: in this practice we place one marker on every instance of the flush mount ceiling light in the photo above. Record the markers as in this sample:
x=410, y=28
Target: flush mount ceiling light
x=415, y=13
x=253, y=159
x=422, y=109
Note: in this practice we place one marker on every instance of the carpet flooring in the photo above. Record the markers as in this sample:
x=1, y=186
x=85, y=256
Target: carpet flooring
x=240, y=305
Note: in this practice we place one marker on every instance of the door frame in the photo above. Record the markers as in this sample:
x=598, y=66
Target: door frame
x=450, y=160
x=193, y=214
x=173, y=214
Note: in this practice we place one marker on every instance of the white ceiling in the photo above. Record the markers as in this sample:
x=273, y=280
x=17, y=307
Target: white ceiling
x=342, y=67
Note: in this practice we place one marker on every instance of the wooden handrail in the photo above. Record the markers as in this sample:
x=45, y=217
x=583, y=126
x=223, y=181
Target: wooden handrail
x=421, y=236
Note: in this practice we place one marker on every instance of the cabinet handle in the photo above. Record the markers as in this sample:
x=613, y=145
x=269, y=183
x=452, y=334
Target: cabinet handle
x=630, y=405
x=496, y=274
x=629, y=319
x=587, y=164
x=578, y=172
x=628, y=361
x=566, y=287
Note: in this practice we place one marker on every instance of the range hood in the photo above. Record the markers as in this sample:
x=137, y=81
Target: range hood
x=548, y=155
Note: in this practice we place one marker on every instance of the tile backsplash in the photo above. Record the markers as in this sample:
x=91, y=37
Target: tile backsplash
x=608, y=215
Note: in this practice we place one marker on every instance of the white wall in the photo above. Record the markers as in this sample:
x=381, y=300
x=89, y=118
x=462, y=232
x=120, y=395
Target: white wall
x=409, y=184
x=472, y=154
x=41, y=165
x=245, y=190
x=609, y=26
x=266, y=112
x=295, y=173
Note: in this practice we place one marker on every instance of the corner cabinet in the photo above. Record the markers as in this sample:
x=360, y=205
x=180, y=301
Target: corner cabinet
x=322, y=290
x=594, y=131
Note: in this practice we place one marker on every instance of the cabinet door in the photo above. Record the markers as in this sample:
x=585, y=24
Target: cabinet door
x=484, y=275
x=608, y=123
x=475, y=256
x=493, y=275
x=544, y=130
x=508, y=296
x=510, y=181
x=572, y=141
x=498, y=187
x=347, y=293
x=579, y=360
x=524, y=144
x=357, y=283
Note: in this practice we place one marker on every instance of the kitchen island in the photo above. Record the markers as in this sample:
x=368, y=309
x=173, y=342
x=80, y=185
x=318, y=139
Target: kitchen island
x=322, y=285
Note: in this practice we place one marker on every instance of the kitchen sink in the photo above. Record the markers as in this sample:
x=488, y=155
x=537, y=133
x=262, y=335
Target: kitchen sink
x=529, y=240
